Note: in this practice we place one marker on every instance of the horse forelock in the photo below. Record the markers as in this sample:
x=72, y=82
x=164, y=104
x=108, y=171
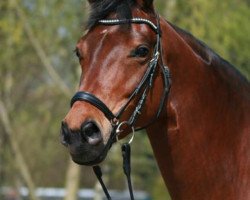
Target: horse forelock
x=101, y=9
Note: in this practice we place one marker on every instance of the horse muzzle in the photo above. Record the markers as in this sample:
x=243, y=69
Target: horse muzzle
x=86, y=146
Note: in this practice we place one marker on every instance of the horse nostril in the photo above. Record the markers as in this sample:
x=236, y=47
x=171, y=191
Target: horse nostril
x=65, y=134
x=91, y=133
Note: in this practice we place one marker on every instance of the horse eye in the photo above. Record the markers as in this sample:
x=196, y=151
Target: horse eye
x=141, y=51
x=78, y=54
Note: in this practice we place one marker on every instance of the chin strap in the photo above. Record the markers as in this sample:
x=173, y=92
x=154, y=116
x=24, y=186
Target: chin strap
x=126, y=154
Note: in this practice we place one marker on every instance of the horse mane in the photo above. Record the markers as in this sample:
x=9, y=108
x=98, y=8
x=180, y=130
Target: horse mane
x=199, y=47
x=101, y=9
x=206, y=53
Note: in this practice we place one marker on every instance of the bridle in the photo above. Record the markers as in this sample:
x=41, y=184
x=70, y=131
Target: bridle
x=143, y=88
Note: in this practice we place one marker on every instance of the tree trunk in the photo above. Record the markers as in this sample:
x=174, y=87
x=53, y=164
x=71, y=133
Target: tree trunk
x=20, y=162
x=98, y=191
x=40, y=51
x=72, y=181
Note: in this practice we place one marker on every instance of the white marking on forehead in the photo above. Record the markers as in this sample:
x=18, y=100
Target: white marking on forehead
x=104, y=31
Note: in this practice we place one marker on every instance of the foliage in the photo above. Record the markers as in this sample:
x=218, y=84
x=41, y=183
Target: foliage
x=33, y=101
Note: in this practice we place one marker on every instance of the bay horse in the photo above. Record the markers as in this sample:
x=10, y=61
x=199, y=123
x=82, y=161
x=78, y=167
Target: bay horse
x=199, y=128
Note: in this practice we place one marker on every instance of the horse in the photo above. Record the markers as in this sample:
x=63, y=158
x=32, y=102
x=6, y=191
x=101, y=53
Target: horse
x=141, y=71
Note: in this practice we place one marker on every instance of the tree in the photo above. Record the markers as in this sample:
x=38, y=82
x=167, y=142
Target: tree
x=20, y=35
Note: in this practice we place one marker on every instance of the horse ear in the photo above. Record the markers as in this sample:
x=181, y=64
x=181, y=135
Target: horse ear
x=146, y=5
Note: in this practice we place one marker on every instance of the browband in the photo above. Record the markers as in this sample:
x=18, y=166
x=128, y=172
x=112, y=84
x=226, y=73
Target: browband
x=111, y=22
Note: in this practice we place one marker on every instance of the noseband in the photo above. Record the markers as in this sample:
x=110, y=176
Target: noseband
x=142, y=88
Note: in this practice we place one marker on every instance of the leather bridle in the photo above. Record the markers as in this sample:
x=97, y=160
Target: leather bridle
x=143, y=88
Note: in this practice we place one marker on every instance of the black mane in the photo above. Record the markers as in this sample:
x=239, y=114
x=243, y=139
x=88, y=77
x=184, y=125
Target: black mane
x=100, y=9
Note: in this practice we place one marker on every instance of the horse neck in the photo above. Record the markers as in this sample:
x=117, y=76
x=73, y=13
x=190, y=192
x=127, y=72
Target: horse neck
x=199, y=152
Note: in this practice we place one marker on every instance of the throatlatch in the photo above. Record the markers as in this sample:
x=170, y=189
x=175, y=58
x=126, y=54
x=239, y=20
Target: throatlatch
x=143, y=88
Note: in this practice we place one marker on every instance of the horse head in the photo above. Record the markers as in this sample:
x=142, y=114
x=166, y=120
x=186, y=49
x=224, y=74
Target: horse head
x=114, y=58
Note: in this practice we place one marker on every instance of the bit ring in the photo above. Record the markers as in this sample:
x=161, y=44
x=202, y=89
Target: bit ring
x=118, y=131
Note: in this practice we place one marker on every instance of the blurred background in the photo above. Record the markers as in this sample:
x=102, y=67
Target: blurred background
x=39, y=73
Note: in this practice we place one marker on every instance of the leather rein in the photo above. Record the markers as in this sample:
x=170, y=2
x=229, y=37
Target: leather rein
x=143, y=88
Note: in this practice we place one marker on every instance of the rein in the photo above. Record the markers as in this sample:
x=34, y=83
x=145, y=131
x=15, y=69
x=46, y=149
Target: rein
x=143, y=87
